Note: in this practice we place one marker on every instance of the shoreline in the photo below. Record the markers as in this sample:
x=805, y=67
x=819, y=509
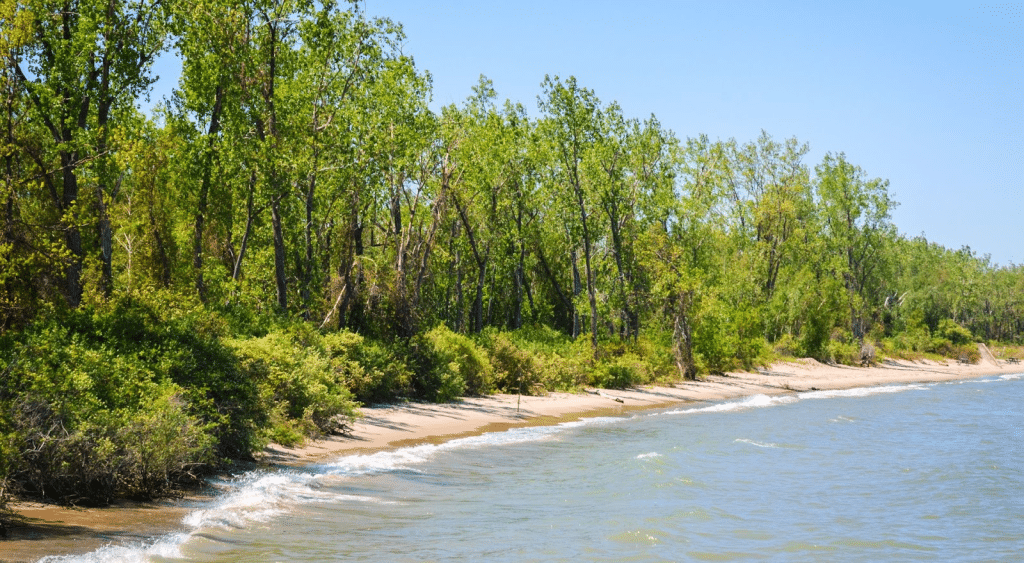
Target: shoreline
x=52, y=530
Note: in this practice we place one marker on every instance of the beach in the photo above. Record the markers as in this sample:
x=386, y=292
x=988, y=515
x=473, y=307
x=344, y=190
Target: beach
x=51, y=530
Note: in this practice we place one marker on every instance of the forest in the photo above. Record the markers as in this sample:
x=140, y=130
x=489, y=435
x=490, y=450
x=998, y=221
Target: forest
x=295, y=232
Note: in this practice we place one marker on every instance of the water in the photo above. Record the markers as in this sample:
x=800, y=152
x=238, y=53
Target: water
x=905, y=473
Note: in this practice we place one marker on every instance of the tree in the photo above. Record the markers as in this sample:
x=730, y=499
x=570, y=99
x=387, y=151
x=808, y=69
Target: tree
x=571, y=128
x=858, y=234
x=85, y=62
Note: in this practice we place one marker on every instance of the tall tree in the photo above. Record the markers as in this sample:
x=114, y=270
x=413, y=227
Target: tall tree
x=571, y=127
x=86, y=60
x=858, y=234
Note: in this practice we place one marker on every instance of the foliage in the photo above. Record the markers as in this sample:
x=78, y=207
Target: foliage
x=374, y=373
x=515, y=369
x=94, y=412
x=298, y=384
x=457, y=365
x=956, y=334
x=296, y=230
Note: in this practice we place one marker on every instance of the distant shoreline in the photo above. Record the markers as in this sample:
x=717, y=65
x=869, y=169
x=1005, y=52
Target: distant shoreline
x=51, y=530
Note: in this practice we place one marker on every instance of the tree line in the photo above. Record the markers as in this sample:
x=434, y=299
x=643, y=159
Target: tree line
x=298, y=178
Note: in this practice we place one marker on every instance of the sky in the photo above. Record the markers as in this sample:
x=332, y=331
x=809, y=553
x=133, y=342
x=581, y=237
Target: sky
x=925, y=94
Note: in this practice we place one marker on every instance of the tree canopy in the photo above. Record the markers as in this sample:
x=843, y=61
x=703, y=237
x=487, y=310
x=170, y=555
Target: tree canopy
x=299, y=178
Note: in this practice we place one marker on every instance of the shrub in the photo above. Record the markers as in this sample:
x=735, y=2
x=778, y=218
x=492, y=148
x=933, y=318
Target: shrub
x=162, y=446
x=459, y=366
x=297, y=385
x=786, y=346
x=515, y=370
x=131, y=397
x=373, y=372
x=617, y=373
x=842, y=351
x=90, y=456
x=953, y=332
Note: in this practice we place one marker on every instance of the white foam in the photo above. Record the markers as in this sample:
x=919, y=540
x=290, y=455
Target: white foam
x=756, y=443
x=260, y=496
x=166, y=547
x=257, y=497
x=648, y=455
x=751, y=402
x=1011, y=376
x=860, y=391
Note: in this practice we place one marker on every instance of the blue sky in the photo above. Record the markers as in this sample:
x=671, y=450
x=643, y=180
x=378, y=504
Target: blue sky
x=926, y=94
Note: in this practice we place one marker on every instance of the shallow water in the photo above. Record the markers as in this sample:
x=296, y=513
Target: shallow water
x=909, y=472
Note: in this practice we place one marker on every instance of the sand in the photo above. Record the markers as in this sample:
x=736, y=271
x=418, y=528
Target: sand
x=49, y=530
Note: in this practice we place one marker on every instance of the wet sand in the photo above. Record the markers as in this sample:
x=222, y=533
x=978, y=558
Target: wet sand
x=48, y=530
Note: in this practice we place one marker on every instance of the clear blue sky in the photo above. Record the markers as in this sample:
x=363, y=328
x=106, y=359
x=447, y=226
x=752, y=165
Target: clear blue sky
x=926, y=94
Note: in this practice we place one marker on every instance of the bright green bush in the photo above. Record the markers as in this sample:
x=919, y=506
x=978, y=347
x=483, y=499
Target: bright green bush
x=843, y=348
x=297, y=384
x=956, y=334
x=129, y=398
x=515, y=370
x=616, y=373
x=448, y=365
x=373, y=372
x=161, y=447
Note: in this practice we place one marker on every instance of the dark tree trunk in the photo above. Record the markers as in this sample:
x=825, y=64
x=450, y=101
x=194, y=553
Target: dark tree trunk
x=105, y=231
x=280, y=274
x=204, y=194
x=576, y=289
x=72, y=237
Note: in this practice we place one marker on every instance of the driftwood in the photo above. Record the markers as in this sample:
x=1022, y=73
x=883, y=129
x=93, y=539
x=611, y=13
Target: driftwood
x=606, y=395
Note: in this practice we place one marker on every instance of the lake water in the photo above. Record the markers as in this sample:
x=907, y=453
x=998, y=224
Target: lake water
x=929, y=472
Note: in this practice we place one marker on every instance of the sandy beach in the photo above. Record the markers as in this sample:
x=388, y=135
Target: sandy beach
x=49, y=530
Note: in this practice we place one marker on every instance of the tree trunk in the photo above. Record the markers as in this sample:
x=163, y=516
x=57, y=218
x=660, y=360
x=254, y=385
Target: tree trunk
x=204, y=195
x=576, y=289
x=591, y=290
x=280, y=275
x=308, y=268
x=105, y=232
x=72, y=237
x=250, y=215
x=682, y=341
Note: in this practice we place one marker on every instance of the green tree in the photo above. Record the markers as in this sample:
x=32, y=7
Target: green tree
x=85, y=62
x=571, y=128
x=858, y=235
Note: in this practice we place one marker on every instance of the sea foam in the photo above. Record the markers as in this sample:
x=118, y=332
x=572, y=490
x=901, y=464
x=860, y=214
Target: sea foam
x=860, y=391
x=751, y=402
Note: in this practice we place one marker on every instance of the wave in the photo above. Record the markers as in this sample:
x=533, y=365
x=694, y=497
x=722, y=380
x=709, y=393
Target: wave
x=751, y=402
x=164, y=547
x=260, y=496
x=756, y=443
x=860, y=391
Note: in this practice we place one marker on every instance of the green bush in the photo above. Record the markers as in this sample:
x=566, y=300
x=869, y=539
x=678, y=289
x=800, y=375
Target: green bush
x=373, y=372
x=297, y=384
x=77, y=454
x=843, y=350
x=515, y=370
x=162, y=446
x=129, y=398
x=452, y=365
x=786, y=346
x=953, y=332
x=616, y=373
